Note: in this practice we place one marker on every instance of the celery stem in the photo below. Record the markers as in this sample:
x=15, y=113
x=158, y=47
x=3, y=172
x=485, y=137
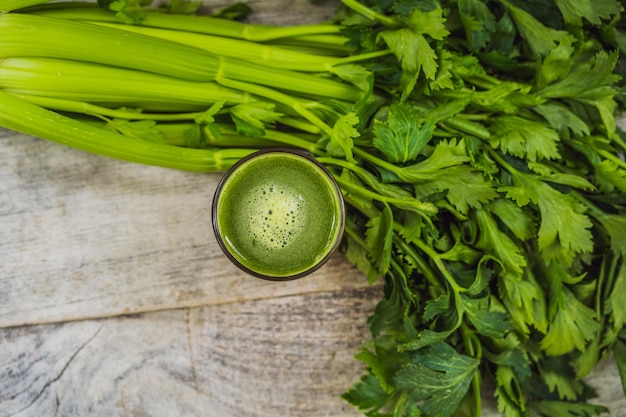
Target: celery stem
x=278, y=97
x=369, y=13
x=22, y=116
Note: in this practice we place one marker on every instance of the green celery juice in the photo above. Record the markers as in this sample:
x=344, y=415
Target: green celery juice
x=278, y=214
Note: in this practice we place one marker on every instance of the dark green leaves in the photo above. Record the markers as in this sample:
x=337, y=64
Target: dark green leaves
x=413, y=49
x=403, y=136
x=540, y=38
x=438, y=377
x=574, y=11
x=565, y=229
x=503, y=118
x=367, y=394
x=478, y=21
x=378, y=239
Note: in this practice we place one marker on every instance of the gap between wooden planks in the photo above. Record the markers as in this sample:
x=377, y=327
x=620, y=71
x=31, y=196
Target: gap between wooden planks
x=288, y=356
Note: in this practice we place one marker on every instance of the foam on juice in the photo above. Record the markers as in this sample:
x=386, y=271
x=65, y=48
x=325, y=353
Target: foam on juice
x=277, y=216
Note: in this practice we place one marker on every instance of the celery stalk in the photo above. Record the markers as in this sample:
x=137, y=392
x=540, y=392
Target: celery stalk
x=29, y=36
x=230, y=138
x=85, y=81
x=270, y=55
x=189, y=23
x=93, y=83
x=28, y=118
x=81, y=107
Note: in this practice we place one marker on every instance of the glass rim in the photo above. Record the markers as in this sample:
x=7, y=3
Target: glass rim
x=342, y=214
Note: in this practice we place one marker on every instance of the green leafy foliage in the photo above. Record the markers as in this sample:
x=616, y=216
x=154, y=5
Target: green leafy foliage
x=403, y=136
x=342, y=137
x=594, y=12
x=519, y=154
x=412, y=46
x=251, y=118
x=438, y=378
x=142, y=129
x=127, y=11
x=564, y=229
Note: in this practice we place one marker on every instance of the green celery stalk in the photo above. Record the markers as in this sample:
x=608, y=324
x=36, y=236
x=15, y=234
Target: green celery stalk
x=115, y=87
x=27, y=35
x=34, y=36
x=270, y=55
x=174, y=134
x=28, y=118
x=85, y=81
x=81, y=107
x=189, y=23
x=228, y=135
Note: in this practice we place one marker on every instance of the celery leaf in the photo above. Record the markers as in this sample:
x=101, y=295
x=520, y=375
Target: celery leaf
x=438, y=377
x=594, y=11
x=610, y=176
x=402, y=136
x=378, y=239
x=493, y=240
x=562, y=119
x=342, y=137
x=141, y=129
x=251, y=118
x=487, y=320
x=446, y=154
x=524, y=138
x=564, y=228
x=571, y=323
x=367, y=394
x=540, y=38
x=478, y=21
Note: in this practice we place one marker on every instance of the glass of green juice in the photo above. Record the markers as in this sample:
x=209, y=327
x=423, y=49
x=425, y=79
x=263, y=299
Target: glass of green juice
x=278, y=214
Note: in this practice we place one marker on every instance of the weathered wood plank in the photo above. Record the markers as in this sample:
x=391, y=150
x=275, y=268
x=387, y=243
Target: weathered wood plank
x=287, y=356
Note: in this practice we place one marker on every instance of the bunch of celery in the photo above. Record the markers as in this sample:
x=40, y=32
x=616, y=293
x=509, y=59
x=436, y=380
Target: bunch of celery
x=187, y=92
x=475, y=142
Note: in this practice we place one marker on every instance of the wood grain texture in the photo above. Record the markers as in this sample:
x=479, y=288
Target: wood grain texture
x=287, y=356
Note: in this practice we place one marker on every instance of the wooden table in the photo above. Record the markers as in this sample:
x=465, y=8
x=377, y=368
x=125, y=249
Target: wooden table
x=115, y=299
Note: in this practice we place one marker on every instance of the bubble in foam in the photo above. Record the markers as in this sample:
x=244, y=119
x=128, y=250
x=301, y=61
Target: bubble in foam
x=276, y=216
